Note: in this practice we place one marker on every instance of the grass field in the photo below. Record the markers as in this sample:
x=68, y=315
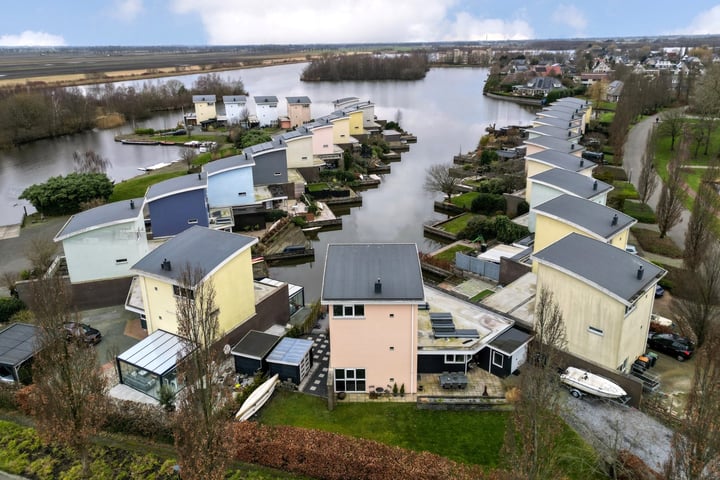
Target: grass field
x=136, y=187
x=449, y=254
x=457, y=224
x=465, y=200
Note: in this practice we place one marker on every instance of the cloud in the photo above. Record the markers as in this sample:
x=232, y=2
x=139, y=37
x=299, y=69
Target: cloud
x=707, y=22
x=28, y=38
x=319, y=21
x=128, y=9
x=570, y=16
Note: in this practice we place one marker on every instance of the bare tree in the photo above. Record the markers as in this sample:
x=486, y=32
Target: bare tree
x=695, y=451
x=531, y=447
x=703, y=219
x=68, y=399
x=440, y=179
x=697, y=303
x=90, y=162
x=648, y=180
x=188, y=155
x=202, y=429
x=673, y=124
x=41, y=253
x=670, y=205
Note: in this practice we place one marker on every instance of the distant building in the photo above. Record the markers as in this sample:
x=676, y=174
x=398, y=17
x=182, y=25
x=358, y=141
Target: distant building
x=298, y=110
x=236, y=111
x=266, y=110
x=205, y=108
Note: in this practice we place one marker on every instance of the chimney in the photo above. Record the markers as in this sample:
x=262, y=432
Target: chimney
x=199, y=176
x=582, y=162
x=595, y=185
x=378, y=286
x=165, y=265
x=640, y=272
x=614, y=220
x=132, y=204
x=569, y=133
x=572, y=146
x=569, y=124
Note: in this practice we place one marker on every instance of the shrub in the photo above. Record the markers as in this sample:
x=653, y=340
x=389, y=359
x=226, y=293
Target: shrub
x=507, y=231
x=488, y=203
x=523, y=208
x=274, y=215
x=144, y=131
x=488, y=156
x=495, y=185
x=133, y=418
x=9, y=306
x=64, y=195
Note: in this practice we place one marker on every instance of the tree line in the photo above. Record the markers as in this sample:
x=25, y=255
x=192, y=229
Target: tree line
x=366, y=67
x=29, y=113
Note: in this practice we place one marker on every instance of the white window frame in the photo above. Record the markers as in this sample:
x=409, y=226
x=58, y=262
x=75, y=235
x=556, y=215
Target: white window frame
x=351, y=375
x=595, y=331
x=349, y=310
x=502, y=359
x=121, y=261
x=456, y=358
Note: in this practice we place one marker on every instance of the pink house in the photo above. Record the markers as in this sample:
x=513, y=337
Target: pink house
x=372, y=292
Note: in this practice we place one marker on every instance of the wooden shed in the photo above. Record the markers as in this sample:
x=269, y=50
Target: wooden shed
x=251, y=352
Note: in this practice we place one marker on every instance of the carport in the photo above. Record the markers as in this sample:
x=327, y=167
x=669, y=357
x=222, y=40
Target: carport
x=151, y=363
x=18, y=344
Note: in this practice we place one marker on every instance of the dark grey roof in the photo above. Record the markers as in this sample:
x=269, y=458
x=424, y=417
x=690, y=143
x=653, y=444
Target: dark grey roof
x=559, y=144
x=18, y=342
x=175, y=185
x=227, y=163
x=298, y=100
x=558, y=159
x=593, y=217
x=158, y=353
x=265, y=100
x=572, y=182
x=255, y=345
x=345, y=99
x=203, y=98
x=299, y=132
x=102, y=216
x=334, y=115
x=601, y=265
x=559, y=112
x=290, y=351
x=574, y=100
x=557, y=132
x=510, y=340
x=351, y=271
x=201, y=247
x=234, y=99
x=558, y=122
x=265, y=147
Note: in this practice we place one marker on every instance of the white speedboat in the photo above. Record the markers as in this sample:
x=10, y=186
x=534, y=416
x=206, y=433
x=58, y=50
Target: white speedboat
x=583, y=382
x=257, y=398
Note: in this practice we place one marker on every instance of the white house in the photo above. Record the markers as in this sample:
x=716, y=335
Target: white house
x=266, y=109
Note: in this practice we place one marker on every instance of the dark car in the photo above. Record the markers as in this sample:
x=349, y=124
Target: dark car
x=659, y=291
x=672, y=344
x=81, y=330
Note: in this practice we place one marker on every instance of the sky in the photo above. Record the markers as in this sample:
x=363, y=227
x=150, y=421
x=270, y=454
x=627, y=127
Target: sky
x=252, y=22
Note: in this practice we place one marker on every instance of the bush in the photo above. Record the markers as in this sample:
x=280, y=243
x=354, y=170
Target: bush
x=9, y=306
x=142, y=420
x=495, y=185
x=488, y=203
x=488, y=156
x=274, y=215
x=64, y=195
x=507, y=231
x=523, y=208
x=144, y=131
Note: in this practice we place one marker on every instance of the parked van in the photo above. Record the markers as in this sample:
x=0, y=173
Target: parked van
x=597, y=157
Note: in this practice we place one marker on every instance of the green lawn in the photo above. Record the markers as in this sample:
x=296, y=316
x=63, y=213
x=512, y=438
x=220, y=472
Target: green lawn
x=606, y=117
x=481, y=295
x=465, y=200
x=136, y=187
x=639, y=211
x=449, y=254
x=463, y=436
x=457, y=224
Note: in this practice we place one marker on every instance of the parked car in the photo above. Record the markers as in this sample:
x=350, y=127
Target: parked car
x=81, y=330
x=672, y=344
x=630, y=248
x=659, y=291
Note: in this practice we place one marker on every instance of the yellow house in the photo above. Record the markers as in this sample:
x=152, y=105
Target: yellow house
x=605, y=296
x=356, y=121
x=223, y=258
x=205, y=108
x=567, y=214
x=585, y=106
x=341, y=128
x=546, y=159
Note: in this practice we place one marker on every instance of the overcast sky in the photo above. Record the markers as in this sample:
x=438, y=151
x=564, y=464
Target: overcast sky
x=243, y=22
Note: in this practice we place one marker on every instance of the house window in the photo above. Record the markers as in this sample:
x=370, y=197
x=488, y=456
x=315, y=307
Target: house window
x=325, y=146
x=497, y=359
x=304, y=158
x=596, y=331
x=451, y=358
x=192, y=221
x=348, y=311
x=242, y=194
x=350, y=380
x=183, y=292
x=120, y=261
x=277, y=174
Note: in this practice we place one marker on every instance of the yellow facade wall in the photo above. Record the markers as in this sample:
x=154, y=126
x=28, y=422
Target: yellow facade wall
x=549, y=230
x=341, y=130
x=205, y=111
x=356, y=122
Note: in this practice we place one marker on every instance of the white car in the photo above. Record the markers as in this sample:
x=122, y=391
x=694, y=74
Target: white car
x=631, y=249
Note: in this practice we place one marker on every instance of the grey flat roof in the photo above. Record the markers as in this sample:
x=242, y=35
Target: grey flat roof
x=18, y=342
x=299, y=132
x=158, y=353
x=351, y=271
x=601, y=265
x=255, y=345
x=572, y=182
x=265, y=100
x=564, y=160
x=290, y=351
x=554, y=143
x=557, y=132
x=228, y=163
x=346, y=99
x=510, y=340
x=98, y=217
x=234, y=99
x=300, y=100
x=557, y=122
x=562, y=113
x=586, y=214
x=175, y=185
x=201, y=247
x=264, y=147
x=574, y=100
x=203, y=98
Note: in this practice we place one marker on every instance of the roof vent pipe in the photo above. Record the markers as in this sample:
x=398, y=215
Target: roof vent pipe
x=132, y=204
x=614, y=220
x=595, y=185
x=640, y=272
x=569, y=133
x=378, y=286
x=582, y=162
x=199, y=176
x=572, y=146
x=165, y=265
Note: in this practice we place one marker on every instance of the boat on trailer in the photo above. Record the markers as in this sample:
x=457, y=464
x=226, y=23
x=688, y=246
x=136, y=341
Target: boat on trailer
x=581, y=382
x=257, y=399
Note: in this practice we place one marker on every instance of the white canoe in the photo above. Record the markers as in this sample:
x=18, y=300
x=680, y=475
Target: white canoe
x=590, y=383
x=257, y=399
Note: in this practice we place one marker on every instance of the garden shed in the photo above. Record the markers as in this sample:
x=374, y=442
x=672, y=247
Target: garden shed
x=291, y=359
x=19, y=342
x=506, y=353
x=250, y=352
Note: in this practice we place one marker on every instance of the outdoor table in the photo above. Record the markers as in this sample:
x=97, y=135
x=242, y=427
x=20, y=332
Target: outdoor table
x=453, y=380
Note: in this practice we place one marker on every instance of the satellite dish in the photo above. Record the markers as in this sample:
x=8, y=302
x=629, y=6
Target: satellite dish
x=226, y=349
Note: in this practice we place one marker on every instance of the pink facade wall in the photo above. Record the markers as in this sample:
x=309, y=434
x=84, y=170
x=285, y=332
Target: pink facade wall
x=299, y=114
x=322, y=140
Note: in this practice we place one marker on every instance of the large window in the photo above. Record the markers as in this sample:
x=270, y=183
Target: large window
x=350, y=380
x=452, y=358
x=183, y=292
x=348, y=311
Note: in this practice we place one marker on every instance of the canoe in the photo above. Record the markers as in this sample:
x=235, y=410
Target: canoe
x=257, y=399
x=581, y=381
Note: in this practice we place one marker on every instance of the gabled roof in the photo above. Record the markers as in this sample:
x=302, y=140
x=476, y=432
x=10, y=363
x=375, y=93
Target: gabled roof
x=557, y=159
x=559, y=144
x=352, y=270
x=234, y=99
x=567, y=133
x=173, y=186
x=103, y=216
x=601, y=265
x=203, y=98
x=200, y=247
x=298, y=100
x=592, y=217
x=227, y=163
x=266, y=100
x=571, y=182
x=18, y=342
